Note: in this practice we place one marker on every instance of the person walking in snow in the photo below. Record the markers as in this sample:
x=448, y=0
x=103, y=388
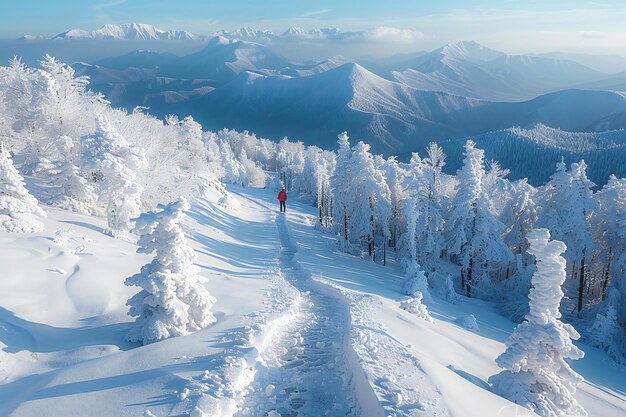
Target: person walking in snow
x=282, y=198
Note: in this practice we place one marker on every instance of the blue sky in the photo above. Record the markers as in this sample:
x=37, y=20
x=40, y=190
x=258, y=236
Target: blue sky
x=514, y=25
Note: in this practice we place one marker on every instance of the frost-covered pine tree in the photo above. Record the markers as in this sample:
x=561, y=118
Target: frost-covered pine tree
x=70, y=191
x=520, y=215
x=19, y=210
x=536, y=373
x=339, y=181
x=430, y=225
x=474, y=234
x=569, y=206
x=411, y=205
x=610, y=231
x=607, y=334
x=368, y=204
x=234, y=171
x=173, y=300
x=67, y=189
x=462, y=219
x=112, y=164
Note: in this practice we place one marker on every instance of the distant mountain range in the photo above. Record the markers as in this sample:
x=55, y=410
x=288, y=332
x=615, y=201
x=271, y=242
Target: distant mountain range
x=131, y=31
x=143, y=31
x=393, y=117
x=458, y=90
x=524, y=110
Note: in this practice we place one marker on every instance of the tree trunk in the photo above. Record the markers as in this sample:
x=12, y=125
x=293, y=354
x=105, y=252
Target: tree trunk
x=385, y=254
x=345, y=223
x=469, y=282
x=581, y=286
x=462, y=278
x=607, y=274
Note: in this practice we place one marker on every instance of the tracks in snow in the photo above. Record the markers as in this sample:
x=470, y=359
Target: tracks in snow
x=305, y=372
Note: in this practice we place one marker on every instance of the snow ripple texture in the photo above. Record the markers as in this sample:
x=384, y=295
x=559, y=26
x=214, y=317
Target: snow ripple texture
x=400, y=382
x=304, y=373
x=222, y=392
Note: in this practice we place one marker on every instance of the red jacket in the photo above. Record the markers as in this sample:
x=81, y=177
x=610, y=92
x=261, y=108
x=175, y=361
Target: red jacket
x=282, y=196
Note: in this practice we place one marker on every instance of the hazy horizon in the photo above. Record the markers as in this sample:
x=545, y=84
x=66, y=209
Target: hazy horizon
x=513, y=26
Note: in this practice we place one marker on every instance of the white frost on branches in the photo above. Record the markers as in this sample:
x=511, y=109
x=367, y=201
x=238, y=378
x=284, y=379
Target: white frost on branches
x=536, y=372
x=19, y=210
x=173, y=300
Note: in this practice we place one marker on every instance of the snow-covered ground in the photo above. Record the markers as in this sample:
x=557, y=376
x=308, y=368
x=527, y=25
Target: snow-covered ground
x=302, y=329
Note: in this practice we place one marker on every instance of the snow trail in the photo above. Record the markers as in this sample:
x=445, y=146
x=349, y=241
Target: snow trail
x=305, y=372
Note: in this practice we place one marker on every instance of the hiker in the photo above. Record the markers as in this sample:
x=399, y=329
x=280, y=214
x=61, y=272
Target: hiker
x=282, y=197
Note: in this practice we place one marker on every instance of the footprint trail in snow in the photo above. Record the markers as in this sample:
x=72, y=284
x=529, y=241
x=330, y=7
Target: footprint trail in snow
x=304, y=373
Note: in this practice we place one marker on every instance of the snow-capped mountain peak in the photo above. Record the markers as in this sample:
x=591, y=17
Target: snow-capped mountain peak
x=245, y=32
x=295, y=31
x=219, y=40
x=469, y=50
x=130, y=31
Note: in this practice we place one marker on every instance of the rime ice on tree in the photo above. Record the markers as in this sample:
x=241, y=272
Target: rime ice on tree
x=536, y=374
x=110, y=161
x=339, y=182
x=18, y=208
x=173, y=300
x=415, y=280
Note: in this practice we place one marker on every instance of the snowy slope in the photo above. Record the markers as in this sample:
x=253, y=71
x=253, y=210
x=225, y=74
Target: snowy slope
x=283, y=294
x=220, y=60
x=467, y=68
x=315, y=108
x=64, y=320
x=391, y=116
x=449, y=363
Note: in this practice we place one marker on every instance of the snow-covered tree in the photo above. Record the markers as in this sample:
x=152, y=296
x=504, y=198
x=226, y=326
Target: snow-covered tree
x=415, y=306
x=607, y=334
x=425, y=186
x=415, y=280
x=474, y=234
x=536, y=374
x=518, y=211
x=234, y=171
x=254, y=174
x=368, y=205
x=569, y=205
x=19, y=210
x=70, y=191
x=610, y=232
x=339, y=182
x=410, y=205
x=520, y=215
x=66, y=188
x=394, y=176
x=112, y=164
x=173, y=300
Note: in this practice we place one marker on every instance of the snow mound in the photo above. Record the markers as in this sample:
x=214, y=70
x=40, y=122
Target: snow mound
x=414, y=306
x=467, y=321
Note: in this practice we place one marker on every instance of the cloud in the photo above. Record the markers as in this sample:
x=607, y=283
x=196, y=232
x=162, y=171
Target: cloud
x=593, y=35
x=384, y=34
x=108, y=4
x=315, y=13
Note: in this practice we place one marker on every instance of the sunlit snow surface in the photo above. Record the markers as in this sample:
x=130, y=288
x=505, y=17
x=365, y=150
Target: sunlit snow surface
x=302, y=329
